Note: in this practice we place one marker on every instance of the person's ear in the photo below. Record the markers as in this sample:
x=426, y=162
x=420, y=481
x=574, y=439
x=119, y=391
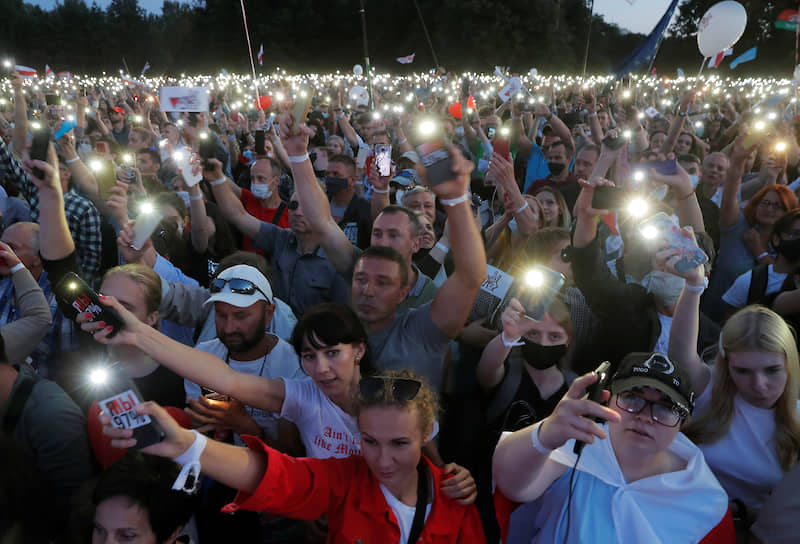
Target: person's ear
x=152, y=318
x=360, y=350
x=416, y=242
x=269, y=312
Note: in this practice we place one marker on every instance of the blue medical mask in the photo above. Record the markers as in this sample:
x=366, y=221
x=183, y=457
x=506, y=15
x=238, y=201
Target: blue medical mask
x=261, y=190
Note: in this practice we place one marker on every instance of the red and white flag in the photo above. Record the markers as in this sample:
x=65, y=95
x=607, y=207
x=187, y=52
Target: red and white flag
x=261, y=55
x=715, y=61
x=146, y=68
x=406, y=60
x=64, y=75
x=48, y=72
x=26, y=72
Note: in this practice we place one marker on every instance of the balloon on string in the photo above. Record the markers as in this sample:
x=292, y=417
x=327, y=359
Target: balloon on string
x=455, y=108
x=358, y=70
x=264, y=101
x=359, y=95
x=721, y=27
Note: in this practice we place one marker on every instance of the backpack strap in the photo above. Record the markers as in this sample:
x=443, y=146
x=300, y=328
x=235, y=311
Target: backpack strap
x=16, y=404
x=279, y=213
x=758, y=283
x=508, y=388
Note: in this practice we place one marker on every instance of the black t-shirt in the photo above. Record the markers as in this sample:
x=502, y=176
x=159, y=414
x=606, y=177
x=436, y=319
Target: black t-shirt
x=163, y=386
x=357, y=222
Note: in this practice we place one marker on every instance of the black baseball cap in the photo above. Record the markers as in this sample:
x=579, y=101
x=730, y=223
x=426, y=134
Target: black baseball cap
x=657, y=371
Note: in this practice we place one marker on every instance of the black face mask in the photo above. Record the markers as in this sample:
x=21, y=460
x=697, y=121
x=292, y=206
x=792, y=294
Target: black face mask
x=333, y=185
x=542, y=357
x=790, y=249
x=556, y=167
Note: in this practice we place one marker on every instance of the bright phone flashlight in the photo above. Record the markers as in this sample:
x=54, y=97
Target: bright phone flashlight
x=95, y=165
x=98, y=376
x=649, y=232
x=638, y=207
x=534, y=278
x=146, y=207
x=426, y=128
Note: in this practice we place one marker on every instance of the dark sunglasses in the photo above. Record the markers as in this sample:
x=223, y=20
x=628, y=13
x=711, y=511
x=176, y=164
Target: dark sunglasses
x=403, y=389
x=237, y=285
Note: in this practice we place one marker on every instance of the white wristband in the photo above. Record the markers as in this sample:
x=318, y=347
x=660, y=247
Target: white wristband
x=510, y=343
x=16, y=268
x=73, y=159
x=522, y=208
x=455, y=201
x=537, y=445
x=442, y=247
x=196, y=197
x=220, y=181
x=190, y=464
x=298, y=158
x=380, y=191
x=697, y=288
x=761, y=256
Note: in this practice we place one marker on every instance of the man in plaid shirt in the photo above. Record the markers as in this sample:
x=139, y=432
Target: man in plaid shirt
x=82, y=217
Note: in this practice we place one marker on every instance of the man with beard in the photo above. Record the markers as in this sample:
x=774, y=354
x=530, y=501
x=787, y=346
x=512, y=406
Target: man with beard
x=243, y=308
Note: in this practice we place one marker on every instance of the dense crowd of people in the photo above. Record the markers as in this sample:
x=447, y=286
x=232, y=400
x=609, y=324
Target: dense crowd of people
x=343, y=317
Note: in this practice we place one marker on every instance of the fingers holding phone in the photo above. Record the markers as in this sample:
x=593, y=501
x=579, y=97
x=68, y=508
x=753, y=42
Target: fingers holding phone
x=176, y=439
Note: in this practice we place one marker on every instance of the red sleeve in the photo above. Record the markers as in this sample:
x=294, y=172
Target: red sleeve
x=723, y=533
x=471, y=528
x=503, y=507
x=302, y=488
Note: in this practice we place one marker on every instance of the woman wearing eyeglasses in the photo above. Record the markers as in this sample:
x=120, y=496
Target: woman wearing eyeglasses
x=638, y=479
x=748, y=421
x=390, y=493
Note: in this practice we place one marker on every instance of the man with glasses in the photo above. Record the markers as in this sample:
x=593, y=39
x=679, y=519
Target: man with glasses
x=639, y=479
x=243, y=307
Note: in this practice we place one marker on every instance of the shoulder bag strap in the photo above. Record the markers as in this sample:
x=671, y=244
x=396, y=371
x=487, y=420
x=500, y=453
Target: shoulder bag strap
x=422, y=504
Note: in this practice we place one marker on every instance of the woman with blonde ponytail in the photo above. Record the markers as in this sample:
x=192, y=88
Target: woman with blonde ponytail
x=746, y=419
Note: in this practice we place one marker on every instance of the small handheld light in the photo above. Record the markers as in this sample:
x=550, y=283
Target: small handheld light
x=96, y=165
x=638, y=207
x=146, y=207
x=649, y=232
x=98, y=376
x=534, y=278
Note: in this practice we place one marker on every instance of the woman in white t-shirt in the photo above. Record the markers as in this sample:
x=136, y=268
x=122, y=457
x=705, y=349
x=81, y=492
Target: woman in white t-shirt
x=747, y=421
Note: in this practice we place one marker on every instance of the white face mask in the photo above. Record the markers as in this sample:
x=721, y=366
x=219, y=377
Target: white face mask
x=664, y=286
x=261, y=190
x=184, y=196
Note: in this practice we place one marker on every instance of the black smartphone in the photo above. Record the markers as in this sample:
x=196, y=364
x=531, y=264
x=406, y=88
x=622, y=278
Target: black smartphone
x=608, y=197
x=538, y=289
x=118, y=396
x=74, y=293
x=595, y=394
x=39, y=145
x=614, y=143
x=465, y=88
x=437, y=161
x=260, y=143
x=207, y=149
x=52, y=100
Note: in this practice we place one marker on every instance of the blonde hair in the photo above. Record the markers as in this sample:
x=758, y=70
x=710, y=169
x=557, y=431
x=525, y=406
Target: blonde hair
x=425, y=400
x=754, y=328
x=144, y=276
x=564, y=217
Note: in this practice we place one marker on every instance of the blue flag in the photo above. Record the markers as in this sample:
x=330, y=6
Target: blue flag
x=747, y=56
x=642, y=56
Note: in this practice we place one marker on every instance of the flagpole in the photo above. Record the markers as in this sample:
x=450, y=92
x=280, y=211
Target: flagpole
x=588, y=37
x=366, y=52
x=427, y=36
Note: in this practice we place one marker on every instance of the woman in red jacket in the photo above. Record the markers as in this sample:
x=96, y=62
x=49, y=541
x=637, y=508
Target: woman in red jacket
x=389, y=494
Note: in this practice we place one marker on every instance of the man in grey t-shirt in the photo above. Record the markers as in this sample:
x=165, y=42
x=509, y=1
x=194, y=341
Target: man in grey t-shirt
x=417, y=338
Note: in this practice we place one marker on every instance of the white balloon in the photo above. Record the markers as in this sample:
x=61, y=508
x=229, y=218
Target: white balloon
x=359, y=95
x=721, y=27
x=533, y=72
x=358, y=70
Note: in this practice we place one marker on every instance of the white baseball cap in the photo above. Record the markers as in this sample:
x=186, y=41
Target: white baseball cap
x=225, y=288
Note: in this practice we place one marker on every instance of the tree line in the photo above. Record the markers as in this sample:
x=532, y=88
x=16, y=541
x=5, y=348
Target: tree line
x=325, y=35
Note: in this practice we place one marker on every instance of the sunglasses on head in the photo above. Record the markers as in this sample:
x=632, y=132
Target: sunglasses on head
x=237, y=285
x=403, y=389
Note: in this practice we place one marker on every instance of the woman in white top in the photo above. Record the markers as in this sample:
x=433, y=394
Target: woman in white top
x=747, y=421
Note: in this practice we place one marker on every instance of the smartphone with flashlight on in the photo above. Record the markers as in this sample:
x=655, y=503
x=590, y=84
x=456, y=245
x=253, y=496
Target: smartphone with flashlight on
x=663, y=229
x=146, y=223
x=595, y=393
x=207, y=149
x=72, y=292
x=537, y=290
x=666, y=167
x=383, y=159
x=118, y=397
x=433, y=154
x=608, y=197
x=302, y=104
x=501, y=145
x=260, y=139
